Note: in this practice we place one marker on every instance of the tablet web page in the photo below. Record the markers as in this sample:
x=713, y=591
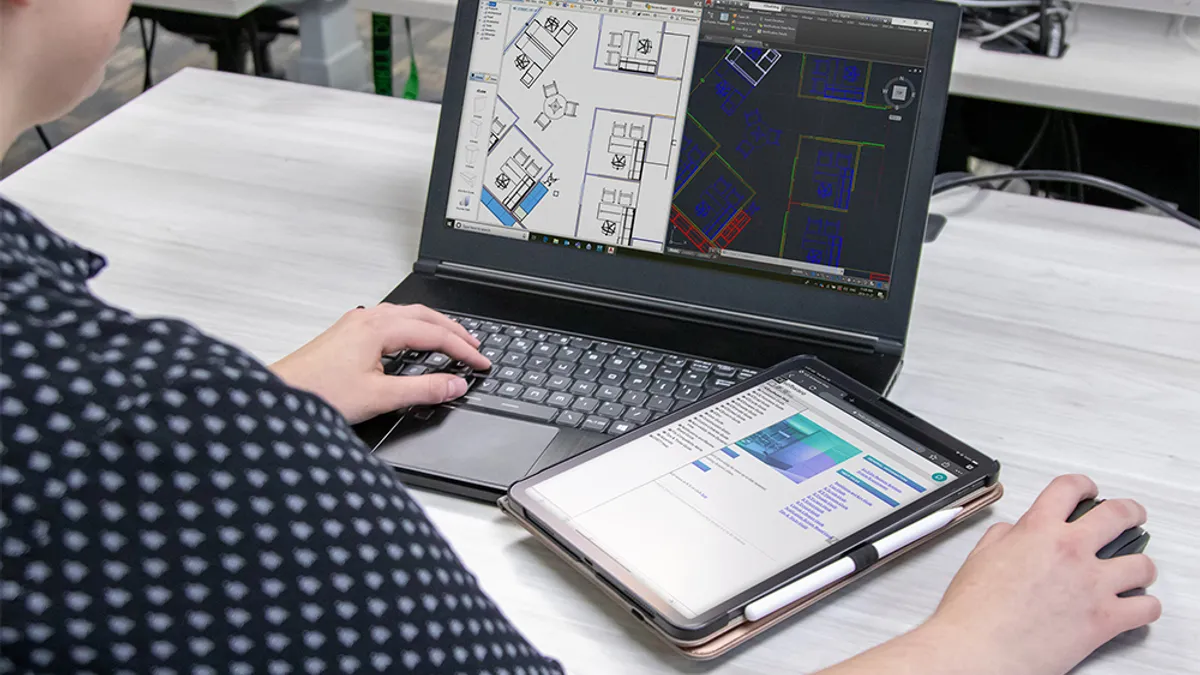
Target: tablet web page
x=706, y=508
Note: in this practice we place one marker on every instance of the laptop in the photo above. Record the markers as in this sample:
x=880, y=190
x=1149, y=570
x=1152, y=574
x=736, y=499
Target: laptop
x=635, y=205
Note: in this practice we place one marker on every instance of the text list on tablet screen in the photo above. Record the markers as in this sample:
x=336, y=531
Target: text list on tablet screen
x=722, y=500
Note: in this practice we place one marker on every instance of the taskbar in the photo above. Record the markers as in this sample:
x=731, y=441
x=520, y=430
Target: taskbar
x=852, y=282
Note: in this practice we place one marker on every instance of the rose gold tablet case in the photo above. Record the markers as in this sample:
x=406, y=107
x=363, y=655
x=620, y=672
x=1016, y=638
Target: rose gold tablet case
x=722, y=643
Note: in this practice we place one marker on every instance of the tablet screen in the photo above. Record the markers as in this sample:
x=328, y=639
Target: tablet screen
x=723, y=499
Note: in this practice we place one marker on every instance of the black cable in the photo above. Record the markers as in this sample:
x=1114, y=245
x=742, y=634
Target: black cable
x=1076, y=153
x=1080, y=179
x=1033, y=146
x=45, y=139
x=148, y=44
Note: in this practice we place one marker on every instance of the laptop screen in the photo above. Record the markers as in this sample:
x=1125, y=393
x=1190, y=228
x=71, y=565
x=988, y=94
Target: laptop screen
x=771, y=138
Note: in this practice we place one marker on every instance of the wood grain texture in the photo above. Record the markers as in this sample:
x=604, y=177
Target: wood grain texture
x=1055, y=337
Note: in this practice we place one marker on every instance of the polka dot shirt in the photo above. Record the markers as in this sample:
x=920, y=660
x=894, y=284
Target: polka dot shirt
x=168, y=506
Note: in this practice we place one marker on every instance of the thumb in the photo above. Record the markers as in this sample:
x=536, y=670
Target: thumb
x=407, y=391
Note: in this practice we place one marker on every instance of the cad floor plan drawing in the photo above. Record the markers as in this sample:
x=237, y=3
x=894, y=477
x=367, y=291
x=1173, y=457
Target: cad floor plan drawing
x=584, y=131
x=833, y=122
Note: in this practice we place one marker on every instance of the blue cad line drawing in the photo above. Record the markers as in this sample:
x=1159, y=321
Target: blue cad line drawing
x=837, y=79
x=752, y=63
x=758, y=134
x=721, y=199
x=833, y=175
x=821, y=241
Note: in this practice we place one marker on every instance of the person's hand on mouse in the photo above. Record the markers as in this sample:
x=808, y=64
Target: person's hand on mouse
x=342, y=365
x=1034, y=597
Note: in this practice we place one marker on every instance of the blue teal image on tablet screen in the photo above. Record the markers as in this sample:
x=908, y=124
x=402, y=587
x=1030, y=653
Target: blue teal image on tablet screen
x=798, y=448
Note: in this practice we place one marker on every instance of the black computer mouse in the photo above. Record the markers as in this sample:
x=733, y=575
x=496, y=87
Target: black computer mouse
x=1133, y=540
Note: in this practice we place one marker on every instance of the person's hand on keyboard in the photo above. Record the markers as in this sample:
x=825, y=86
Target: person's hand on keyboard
x=342, y=365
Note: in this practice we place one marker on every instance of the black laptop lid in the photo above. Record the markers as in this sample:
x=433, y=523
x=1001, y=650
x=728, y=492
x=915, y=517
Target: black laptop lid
x=765, y=159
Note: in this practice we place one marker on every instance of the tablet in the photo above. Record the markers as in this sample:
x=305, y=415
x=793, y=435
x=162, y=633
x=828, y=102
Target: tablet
x=698, y=514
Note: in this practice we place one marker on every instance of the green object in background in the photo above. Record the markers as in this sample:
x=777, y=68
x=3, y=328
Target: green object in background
x=381, y=53
x=413, y=86
x=381, y=50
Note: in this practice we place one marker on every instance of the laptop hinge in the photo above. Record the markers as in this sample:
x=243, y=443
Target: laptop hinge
x=609, y=297
x=425, y=266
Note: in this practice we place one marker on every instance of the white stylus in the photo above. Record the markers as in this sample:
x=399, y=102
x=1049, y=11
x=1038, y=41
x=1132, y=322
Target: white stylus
x=844, y=567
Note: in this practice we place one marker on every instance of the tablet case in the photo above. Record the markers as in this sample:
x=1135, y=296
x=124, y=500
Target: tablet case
x=725, y=642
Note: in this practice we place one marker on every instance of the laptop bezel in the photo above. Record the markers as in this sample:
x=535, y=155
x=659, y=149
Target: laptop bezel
x=756, y=296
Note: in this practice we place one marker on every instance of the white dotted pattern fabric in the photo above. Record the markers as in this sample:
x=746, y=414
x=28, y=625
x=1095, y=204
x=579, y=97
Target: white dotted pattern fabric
x=170, y=507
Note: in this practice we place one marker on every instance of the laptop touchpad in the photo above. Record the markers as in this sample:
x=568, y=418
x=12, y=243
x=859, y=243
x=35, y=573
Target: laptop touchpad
x=468, y=445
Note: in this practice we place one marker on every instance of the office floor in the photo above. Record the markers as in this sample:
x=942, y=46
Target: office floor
x=123, y=80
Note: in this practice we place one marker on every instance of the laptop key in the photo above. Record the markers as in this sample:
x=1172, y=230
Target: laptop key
x=689, y=393
x=659, y=403
x=560, y=340
x=509, y=374
x=568, y=418
x=490, y=327
x=534, y=378
x=535, y=395
x=745, y=374
x=618, y=428
x=589, y=373
x=700, y=366
x=652, y=357
x=437, y=360
x=487, y=386
x=594, y=423
x=581, y=343
x=638, y=383
x=613, y=377
x=725, y=371
x=584, y=388
x=536, y=335
x=606, y=348
x=585, y=404
x=635, y=398
x=667, y=373
x=642, y=368
x=513, y=331
x=521, y=345
x=618, y=363
x=693, y=378
x=492, y=353
x=538, y=363
x=609, y=393
x=414, y=369
x=558, y=383
x=675, y=361
x=592, y=359
x=533, y=411
x=513, y=359
x=611, y=410
x=637, y=415
x=662, y=387
x=510, y=390
x=545, y=349
x=564, y=368
x=629, y=352
x=478, y=335
x=571, y=354
x=720, y=383
x=560, y=400
x=498, y=341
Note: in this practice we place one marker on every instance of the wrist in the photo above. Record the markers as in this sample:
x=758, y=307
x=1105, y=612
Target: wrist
x=954, y=646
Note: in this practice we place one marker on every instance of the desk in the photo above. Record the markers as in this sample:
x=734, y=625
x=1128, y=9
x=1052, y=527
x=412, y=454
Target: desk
x=230, y=9
x=1054, y=336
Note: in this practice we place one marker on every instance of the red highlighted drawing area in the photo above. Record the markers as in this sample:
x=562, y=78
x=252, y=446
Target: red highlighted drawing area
x=701, y=241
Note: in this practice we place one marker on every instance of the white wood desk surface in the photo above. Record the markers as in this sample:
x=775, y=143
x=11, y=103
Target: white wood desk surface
x=1053, y=336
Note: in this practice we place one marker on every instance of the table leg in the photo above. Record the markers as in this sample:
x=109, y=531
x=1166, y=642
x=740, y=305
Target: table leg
x=331, y=53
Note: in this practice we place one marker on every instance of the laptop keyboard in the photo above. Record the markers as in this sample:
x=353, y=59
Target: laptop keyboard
x=571, y=380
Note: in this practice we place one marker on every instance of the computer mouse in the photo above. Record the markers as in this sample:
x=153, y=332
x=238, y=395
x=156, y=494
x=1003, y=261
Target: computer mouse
x=1133, y=540
x=1129, y=542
